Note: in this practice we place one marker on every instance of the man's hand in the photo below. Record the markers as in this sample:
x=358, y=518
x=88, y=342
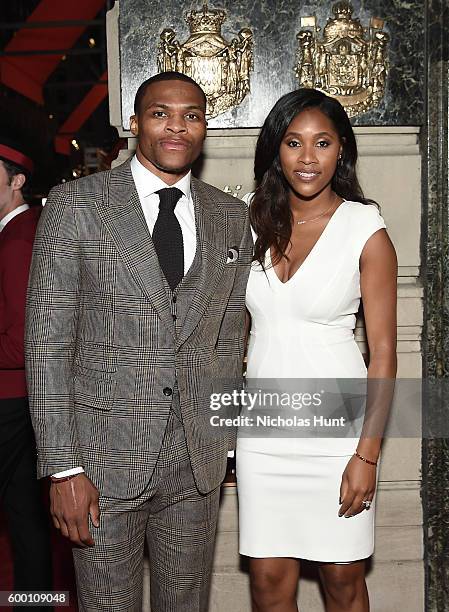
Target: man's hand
x=71, y=502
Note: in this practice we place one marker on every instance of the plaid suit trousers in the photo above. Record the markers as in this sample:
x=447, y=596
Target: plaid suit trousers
x=177, y=522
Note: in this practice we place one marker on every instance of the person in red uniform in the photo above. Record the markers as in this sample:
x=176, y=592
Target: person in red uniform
x=20, y=493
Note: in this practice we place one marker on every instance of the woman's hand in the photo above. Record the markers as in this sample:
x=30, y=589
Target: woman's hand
x=358, y=484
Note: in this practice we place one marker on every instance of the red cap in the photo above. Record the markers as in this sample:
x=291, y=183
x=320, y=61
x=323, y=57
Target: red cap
x=11, y=152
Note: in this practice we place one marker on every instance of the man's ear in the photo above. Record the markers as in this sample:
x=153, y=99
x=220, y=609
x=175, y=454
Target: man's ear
x=133, y=125
x=18, y=181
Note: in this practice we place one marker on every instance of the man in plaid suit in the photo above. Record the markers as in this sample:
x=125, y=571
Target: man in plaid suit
x=135, y=308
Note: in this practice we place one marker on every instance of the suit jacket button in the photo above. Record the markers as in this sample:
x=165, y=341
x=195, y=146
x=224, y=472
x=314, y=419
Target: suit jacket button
x=167, y=391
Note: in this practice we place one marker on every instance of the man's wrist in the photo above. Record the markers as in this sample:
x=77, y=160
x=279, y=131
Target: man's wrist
x=64, y=478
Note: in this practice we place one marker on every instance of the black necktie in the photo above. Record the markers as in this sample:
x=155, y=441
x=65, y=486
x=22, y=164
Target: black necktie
x=167, y=237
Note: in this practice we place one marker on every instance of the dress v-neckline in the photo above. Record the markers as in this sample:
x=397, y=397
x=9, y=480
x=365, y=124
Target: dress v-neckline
x=320, y=237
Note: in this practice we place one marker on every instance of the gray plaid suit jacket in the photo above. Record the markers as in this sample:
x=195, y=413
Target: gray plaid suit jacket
x=100, y=339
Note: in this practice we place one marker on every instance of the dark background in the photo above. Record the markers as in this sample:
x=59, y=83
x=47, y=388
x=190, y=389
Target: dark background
x=73, y=77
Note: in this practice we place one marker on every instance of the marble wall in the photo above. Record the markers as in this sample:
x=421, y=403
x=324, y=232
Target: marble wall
x=275, y=24
x=435, y=246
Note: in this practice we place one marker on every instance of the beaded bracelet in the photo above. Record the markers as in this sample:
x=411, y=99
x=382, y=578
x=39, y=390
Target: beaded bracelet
x=356, y=454
x=63, y=479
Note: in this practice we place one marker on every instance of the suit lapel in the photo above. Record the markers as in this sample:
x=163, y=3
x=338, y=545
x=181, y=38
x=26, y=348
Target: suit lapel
x=121, y=212
x=211, y=223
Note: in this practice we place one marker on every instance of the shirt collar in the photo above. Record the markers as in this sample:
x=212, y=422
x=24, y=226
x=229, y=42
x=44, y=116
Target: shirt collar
x=148, y=183
x=7, y=218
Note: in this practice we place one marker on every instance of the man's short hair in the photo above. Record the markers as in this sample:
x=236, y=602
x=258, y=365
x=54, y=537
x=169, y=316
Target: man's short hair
x=163, y=76
x=12, y=170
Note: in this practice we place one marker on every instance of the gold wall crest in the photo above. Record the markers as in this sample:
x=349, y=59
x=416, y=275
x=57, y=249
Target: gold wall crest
x=348, y=62
x=222, y=68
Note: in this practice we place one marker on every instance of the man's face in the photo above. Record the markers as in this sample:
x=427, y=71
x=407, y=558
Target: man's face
x=10, y=191
x=170, y=127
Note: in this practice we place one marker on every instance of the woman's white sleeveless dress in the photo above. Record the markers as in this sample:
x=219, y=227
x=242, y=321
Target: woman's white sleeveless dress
x=289, y=488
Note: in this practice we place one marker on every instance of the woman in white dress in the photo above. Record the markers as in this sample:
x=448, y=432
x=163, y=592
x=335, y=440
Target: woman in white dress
x=320, y=247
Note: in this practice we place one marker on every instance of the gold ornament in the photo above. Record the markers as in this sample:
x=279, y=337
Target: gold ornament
x=220, y=67
x=348, y=62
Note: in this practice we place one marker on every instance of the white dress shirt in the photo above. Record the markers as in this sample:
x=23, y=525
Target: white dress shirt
x=147, y=184
x=7, y=218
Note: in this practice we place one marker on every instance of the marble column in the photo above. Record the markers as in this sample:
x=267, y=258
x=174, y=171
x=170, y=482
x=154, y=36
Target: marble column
x=435, y=490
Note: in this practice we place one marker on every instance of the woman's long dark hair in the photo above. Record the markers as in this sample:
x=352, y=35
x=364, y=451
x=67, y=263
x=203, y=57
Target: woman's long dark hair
x=270, y=212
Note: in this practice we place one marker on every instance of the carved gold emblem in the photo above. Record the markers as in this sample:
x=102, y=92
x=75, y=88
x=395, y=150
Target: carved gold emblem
x=348, y=62
x=222, y=68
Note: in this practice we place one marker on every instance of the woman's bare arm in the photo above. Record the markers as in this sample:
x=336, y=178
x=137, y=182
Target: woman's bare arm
x=378, y=282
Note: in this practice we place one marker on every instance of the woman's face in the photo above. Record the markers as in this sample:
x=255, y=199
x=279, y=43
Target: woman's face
x=309, y=153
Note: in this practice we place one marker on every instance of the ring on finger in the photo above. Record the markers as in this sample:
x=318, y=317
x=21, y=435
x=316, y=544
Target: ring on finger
x=366, y=503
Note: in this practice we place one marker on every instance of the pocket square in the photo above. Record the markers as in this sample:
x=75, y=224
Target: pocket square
x=233, y=255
